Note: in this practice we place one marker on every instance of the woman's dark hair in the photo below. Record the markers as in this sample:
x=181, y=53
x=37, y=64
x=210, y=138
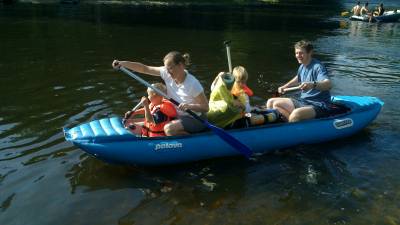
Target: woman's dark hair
x=178, y=58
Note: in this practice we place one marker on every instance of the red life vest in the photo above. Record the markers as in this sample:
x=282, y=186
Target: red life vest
x=162, y=114
x=247, y=90
x=237, y=89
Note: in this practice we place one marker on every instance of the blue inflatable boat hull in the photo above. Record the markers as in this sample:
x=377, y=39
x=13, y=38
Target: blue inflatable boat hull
x=108, y=140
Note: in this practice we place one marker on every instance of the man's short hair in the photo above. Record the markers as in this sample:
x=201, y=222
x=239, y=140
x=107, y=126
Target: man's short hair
x=304, y=44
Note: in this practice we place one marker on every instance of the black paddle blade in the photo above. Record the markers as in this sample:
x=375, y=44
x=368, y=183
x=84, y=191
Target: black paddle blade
x=235, y=143
x=242, y=148
x=227, y=42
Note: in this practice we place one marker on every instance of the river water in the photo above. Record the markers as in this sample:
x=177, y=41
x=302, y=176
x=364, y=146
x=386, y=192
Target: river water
x=55, y=71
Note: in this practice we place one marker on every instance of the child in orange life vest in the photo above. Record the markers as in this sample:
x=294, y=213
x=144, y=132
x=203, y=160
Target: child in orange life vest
x=240, y=90
x=157, y=112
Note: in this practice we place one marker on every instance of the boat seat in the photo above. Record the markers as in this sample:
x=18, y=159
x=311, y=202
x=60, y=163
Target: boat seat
x=338, y=109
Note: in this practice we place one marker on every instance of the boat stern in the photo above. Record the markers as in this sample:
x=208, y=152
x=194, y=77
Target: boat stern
x=103, y=130
x=67, y=135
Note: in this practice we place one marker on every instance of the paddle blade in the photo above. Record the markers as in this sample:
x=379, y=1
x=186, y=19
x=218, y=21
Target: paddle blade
x=242, y=148
x=344, y=14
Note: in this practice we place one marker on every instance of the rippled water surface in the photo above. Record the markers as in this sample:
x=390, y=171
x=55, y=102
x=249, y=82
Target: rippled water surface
x=55, y=72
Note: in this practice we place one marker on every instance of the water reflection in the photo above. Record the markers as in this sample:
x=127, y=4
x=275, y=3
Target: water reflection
x=367, y=54
x=273, y=186
x=175, y=190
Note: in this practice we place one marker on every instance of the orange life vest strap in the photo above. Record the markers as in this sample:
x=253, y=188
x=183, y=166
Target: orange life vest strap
x=146, y=132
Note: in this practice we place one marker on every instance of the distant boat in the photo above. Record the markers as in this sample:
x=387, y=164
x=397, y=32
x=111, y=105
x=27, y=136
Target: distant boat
x=389, y=16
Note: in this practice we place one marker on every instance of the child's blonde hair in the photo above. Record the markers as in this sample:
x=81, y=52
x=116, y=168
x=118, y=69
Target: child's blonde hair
x=240, y=74
x=159, y=86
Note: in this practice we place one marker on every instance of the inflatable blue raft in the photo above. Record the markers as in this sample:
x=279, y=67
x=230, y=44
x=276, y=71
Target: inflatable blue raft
x=108, y=140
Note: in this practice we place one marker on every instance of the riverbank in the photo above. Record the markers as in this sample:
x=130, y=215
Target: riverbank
x=166, y=3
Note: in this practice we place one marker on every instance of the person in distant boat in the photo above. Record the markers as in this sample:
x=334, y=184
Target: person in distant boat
x=380, y=10
x=356, y=9
x=312, y=77
x=364, y=10
x=181, y=86
x=157, y=112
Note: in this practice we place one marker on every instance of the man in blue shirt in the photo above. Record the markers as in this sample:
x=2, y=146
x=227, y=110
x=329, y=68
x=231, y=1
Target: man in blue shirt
x=312, y=78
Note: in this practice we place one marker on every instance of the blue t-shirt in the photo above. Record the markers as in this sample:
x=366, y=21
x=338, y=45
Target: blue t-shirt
x=314, y=71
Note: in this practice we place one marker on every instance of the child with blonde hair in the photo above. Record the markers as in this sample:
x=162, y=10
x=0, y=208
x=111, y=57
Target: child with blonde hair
x=157, y=112
x=240, y=90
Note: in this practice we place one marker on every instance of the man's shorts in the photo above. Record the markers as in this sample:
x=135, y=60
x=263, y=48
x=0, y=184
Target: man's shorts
x=321, y=109
x=192, y=125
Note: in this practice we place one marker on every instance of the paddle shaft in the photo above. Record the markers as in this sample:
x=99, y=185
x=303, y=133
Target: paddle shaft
x=236, y=144
x=133, y=110
x=292, y=89
x=277, y=94
x=228, y=54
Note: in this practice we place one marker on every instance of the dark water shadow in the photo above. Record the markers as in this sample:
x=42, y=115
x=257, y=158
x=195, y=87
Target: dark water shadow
x=281, y=16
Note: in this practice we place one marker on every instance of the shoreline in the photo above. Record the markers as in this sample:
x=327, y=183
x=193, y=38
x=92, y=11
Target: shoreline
x=168, y=4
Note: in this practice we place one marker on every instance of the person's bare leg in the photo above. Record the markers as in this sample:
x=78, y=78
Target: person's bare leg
x=283, y=112
x=285, y=106
x=174, y=128
x=270, y=102
x=303, y=113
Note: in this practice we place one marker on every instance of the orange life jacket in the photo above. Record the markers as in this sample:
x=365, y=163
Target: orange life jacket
x=237, y=89
x=162, y=114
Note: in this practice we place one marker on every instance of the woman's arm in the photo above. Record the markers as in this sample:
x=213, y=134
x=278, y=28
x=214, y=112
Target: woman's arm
x=200, y=104
x=138, y=67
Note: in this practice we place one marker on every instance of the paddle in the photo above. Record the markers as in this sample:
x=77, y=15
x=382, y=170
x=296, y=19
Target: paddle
x=277, y=94
x=236, y=144
x=130, y=113
x=228, y=53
